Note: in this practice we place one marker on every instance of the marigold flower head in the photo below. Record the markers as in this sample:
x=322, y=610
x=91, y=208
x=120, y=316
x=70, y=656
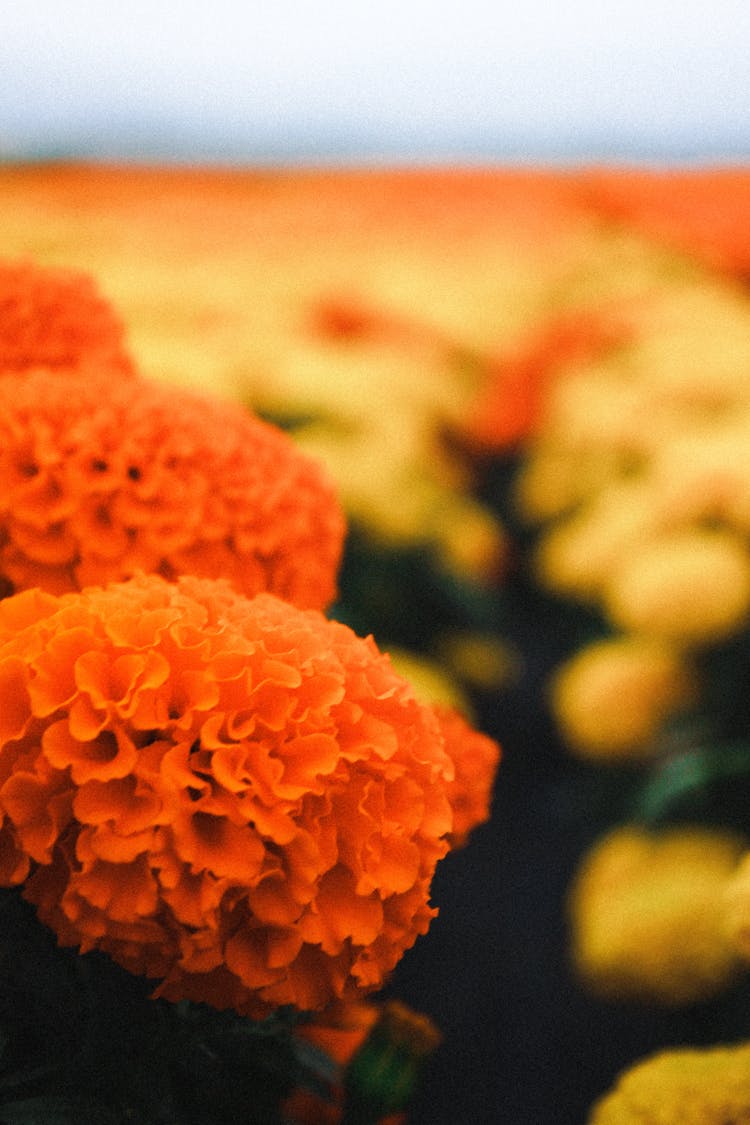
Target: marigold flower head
x=99, y=480
x=692, y=586
x=612, y=697
x=234, y=795
x=57, y=318
x=688, y=1086
x=646, y=914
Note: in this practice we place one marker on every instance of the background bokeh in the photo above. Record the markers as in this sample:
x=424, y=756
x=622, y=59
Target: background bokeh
x=292, y=83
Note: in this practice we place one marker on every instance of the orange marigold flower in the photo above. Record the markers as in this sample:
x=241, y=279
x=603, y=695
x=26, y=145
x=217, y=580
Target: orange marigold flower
x=57, y=318
x=100, y=479
x=475, y=758
x=234, y=795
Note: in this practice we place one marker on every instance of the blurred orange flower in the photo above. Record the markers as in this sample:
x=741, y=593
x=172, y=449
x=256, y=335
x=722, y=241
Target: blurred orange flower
x=704, y=212
x=475, y=758
x=101, y=478
x=509, y=408
x=378, y=1053
x=234, y=795
x=339, y=1034
x=57, y=318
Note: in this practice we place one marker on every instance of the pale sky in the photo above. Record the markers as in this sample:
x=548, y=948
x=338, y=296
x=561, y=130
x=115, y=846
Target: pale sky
x=375, y=80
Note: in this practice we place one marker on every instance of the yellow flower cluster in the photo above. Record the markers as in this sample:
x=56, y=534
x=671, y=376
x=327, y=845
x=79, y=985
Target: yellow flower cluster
x=639, y=483
x=682, y=1087
x=647, y=915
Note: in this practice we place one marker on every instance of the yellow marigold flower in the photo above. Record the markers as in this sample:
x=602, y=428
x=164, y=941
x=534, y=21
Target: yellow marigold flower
x=578, y=555
x=692, y=586
x=553, y=481
x=611, y=698
x=56, y=318
x=234, y=795
x=101, y=478
x=481, y=660
x=470, y=539
x=646, y=914
x=703, y=473
x=687, y=1086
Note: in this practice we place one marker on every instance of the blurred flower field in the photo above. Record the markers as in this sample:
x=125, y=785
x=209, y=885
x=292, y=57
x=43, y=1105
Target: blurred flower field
x=497, y=422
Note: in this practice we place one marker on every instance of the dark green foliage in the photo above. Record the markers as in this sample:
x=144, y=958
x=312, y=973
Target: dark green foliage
x=50, y=1110
x=406, y=598
x=707, y=785
x=83, y=1043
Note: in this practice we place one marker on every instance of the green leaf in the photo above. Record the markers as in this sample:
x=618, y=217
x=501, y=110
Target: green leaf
x=707, y=785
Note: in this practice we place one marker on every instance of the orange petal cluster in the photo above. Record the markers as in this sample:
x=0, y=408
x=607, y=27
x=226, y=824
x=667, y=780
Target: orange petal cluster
x=57, y=318
x=475, y=758
x=233, y=795
x=101, y=478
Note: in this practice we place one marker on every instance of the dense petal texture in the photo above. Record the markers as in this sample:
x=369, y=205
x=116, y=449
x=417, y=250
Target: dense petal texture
x=56, y=318
x=234, y=795
x=99, y=480
x=475, y=758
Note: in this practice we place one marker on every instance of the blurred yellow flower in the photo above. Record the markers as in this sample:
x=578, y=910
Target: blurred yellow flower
x=646, y=914
x=611, y=698
x=687, y=1086
x=638, y=478
x=431, y=681
x=737, y=907
x=480, y=660
x=692, y=586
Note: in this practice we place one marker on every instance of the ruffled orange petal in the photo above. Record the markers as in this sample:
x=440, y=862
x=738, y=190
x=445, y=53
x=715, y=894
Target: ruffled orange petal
x=111, y=754
x=236, y=796
x=15, y=707
x=39, y=805
x=100, y=479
